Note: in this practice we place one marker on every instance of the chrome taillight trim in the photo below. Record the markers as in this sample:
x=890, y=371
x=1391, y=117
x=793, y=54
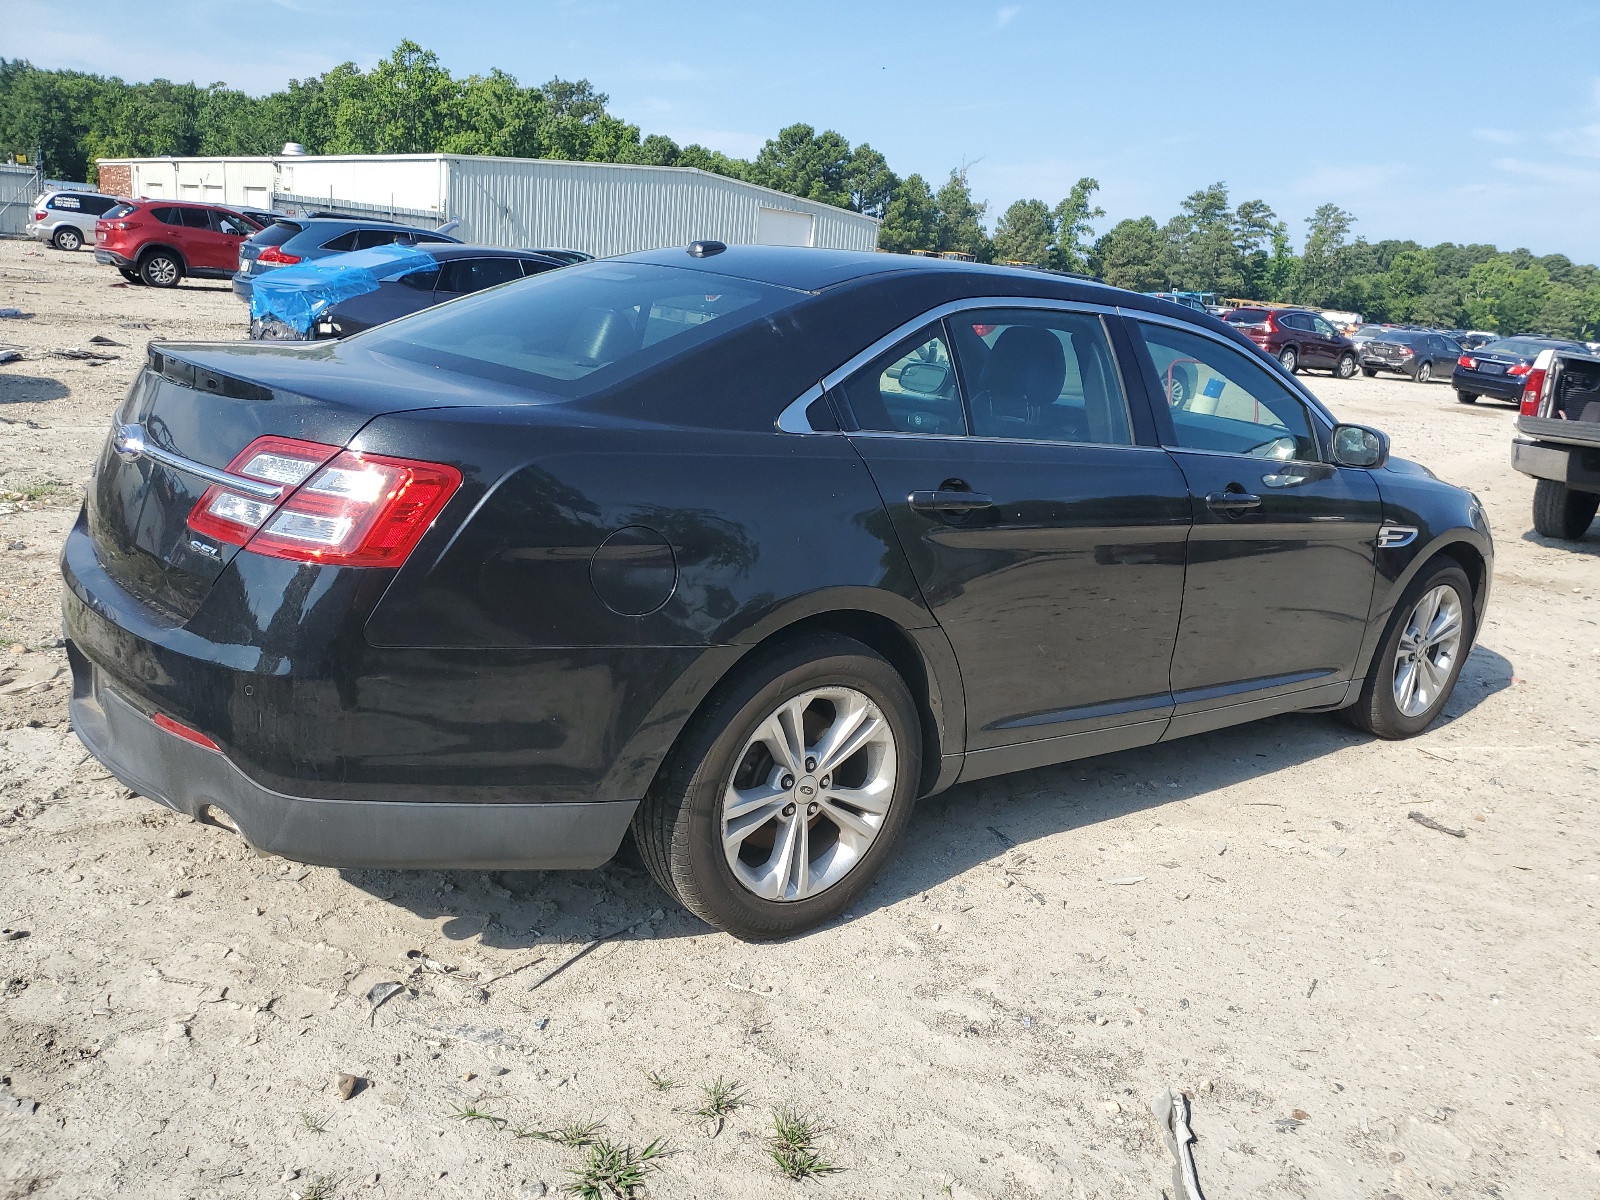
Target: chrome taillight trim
x=130, y=445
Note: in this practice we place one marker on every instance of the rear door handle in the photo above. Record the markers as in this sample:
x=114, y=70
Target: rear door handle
x=1232, y=502
x=945, y=500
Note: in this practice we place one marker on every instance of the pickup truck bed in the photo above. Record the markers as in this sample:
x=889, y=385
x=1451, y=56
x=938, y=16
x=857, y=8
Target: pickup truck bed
x=1558, y=442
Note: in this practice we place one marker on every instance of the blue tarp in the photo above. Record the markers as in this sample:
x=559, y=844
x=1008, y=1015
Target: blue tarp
x=297, y=295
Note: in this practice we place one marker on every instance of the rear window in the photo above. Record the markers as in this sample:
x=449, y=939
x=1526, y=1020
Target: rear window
x=275, y=234
x=118, y=211
x=577, y=331
x=1525, y=348
x=1246, y=316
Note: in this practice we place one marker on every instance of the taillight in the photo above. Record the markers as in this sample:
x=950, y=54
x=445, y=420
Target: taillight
x=125, y=224
x=1519, y=369
x=1531, y=392
x=1468, y=362
x=342, y=507
x=271, y=254
x=40, y=215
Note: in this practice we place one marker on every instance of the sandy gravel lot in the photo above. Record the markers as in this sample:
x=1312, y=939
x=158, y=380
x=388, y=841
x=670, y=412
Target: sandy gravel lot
x=1363, y=1007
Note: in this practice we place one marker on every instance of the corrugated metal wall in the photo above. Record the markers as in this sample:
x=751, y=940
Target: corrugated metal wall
x=19, y=187
x=606, y=208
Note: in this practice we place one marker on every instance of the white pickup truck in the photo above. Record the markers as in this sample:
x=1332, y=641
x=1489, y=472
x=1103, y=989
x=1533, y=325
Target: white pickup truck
x=1558, y=441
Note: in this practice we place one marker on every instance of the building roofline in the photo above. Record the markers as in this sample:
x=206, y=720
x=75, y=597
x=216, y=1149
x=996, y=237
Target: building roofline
x=565, y=162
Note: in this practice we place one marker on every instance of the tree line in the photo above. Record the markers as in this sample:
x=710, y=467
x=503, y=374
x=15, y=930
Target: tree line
x=409, y=103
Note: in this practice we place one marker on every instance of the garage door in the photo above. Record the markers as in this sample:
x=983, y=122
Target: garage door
x=783, y=227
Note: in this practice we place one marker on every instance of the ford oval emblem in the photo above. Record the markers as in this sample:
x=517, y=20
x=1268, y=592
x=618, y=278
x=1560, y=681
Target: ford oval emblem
x=128, y=442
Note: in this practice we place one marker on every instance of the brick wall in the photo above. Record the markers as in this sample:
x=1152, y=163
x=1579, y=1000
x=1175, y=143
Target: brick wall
x=116, y=179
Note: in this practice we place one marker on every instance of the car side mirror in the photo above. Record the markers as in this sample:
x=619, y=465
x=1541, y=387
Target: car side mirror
x=924, y=378
x=1359, y=446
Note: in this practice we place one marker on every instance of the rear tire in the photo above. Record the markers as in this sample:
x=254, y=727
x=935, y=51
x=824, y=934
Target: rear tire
x=1560, y=512
x=1424, y=373
x=1289, y=359
x=67, y=238
x=1466, y=397
x=1346, y=367
x=684, y=834
x=161, y=269
x=1378, y=710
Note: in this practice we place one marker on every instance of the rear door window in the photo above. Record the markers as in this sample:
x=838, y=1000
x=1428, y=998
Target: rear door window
x=366, y=239
x=231, y=224
x=344, y=242
x=67, y=203
x=168, y=216
x=196, y=218
x=1040, y=376
x=910, y=388
x=1224, y=402
x=474, y=274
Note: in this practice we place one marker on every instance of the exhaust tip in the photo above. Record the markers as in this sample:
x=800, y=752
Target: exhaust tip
x=213, y=814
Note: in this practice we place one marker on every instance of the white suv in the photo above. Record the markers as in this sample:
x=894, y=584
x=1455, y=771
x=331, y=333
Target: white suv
x=66, y=219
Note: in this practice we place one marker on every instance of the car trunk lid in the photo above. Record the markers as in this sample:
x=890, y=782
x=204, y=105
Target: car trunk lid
x=190, y=413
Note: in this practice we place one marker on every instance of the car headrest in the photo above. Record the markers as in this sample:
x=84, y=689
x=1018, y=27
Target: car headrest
x=1025, y=369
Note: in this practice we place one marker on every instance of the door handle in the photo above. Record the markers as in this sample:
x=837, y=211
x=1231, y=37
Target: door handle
x=1232, y=502
x=949, y=501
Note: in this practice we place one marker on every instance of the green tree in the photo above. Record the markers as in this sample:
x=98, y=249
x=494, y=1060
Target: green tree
x=1410, y=278
x=804, y=163
x=1025, y=233
x=869, y=181
x=1320, y=276
x=1135, y=254
x=960, y=222
x=910, y=219
x=1073, y=218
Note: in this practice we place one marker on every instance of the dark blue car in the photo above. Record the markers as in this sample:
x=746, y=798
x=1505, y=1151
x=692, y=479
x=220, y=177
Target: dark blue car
x=295, y=240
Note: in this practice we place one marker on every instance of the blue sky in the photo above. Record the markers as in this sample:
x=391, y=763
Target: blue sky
x=1464, y=121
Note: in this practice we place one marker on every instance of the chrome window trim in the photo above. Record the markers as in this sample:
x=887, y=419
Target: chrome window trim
x=794, y=412
x=1004, y=441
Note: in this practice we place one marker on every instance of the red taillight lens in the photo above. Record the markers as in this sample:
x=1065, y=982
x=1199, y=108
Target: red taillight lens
x=233, y=516
x=273, y=255
x=40, y=215
x=337, y=507
x=189, y=735
x=1532, y=392
x=1519, y=368
x=1468, y=362
x=125, y=224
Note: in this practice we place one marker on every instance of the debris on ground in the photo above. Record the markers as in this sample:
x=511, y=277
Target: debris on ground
x=80, y=355
x=1171, y=1108
x=1428, y=822
x=348, y=1085
x=379, y=995
x=15, y=314
x=585, y=949
x=10, y=354
x=101, y=340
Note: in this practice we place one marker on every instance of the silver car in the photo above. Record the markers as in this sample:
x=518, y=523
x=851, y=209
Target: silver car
x=66, y=219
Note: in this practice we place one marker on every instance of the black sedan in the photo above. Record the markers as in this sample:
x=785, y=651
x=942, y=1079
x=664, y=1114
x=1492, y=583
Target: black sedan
x=456, y=271
x=742, y=548
x=1421, y=355
x=1499, y=369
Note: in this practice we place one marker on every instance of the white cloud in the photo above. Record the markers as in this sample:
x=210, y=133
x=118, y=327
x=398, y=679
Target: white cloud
x=1006, y=15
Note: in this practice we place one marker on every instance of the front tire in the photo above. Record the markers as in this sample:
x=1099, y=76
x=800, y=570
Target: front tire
x=1370, y=372
x=1424, y=373
x=67, y=238
x=1560, y=512
x=1346, y=367
x=130, y=275
x=1420, y=658
x=160, y=269
x=1289, y=359
x=785, y=796
x=1466, y=397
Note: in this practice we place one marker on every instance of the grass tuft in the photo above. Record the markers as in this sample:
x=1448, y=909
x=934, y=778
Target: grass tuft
x=792, y=1145
x=660, y=1082
x=719, y=1098
x=468, y=1112
x=613, y=1172
x=578, y=1133
x=313, y=1124
x=321, y=1187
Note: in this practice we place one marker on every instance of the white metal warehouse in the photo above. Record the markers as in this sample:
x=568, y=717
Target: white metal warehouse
x=600, y=208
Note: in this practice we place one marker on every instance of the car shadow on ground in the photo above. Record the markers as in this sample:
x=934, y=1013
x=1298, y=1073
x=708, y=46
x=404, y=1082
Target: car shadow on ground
x=1589, y=543
x=31, y=389
x=948, y=835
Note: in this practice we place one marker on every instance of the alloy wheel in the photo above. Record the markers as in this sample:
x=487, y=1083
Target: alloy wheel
x=161, y=271
x=1287, y=358
x=1427, y=653
x=809, y=794
x=68, y=239
x=1424, y=372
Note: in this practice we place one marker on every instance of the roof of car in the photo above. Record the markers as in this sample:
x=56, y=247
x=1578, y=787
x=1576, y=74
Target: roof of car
x=447, y=251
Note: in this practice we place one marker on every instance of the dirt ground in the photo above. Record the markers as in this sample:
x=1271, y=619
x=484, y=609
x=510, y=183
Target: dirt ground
x=1362, y=1006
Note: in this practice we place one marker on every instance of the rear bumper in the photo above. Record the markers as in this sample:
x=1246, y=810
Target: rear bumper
x=335, y=833
x=1496, y=387
x=111, y=258
x=1574, y=466
x=242, y=287
x=1372, y=363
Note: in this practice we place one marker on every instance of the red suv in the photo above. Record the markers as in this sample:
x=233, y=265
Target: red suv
x=1297, y=338
x=158, y=242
